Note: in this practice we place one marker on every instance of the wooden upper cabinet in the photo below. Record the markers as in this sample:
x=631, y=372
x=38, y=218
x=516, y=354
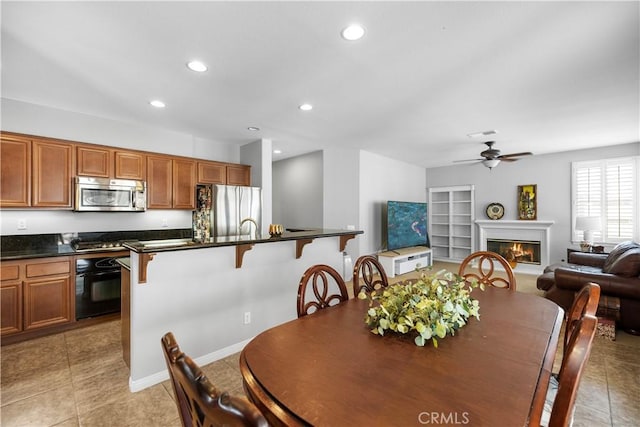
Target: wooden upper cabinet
x=171, y=183
x=15, y=172
x=212, y=173
x=130, y=165
x=95, y=161
x=159, y=182
x=238, y=175
x=52, y=170
x=107, y=163
x=184, y=184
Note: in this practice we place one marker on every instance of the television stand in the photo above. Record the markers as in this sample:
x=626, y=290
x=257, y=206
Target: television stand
x=401, y=261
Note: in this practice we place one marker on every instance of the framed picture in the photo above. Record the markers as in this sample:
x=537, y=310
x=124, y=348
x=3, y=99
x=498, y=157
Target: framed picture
x=527, y=202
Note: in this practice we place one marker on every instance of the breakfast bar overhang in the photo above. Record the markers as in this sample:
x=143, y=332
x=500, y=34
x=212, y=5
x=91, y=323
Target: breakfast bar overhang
x=216, y=295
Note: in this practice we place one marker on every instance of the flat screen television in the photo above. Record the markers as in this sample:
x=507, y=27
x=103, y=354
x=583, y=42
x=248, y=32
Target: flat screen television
x=406, y=224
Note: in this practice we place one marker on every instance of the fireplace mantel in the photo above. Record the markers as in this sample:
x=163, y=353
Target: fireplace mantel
x=519, y=230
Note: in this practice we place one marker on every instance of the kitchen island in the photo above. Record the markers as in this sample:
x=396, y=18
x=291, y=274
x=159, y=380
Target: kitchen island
x=215, y=296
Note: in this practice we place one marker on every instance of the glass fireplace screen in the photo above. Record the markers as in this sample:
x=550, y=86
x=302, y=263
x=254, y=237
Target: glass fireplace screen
x=522, y=251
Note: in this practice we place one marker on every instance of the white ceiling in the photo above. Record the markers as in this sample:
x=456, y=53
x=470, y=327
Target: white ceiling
x=549, y=76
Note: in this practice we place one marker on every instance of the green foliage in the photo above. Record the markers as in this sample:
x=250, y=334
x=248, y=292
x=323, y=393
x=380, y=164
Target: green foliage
x=434, y=306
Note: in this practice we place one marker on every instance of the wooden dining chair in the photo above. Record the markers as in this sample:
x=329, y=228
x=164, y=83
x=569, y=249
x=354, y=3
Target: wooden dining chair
x=199, y=402
x=368, y=275
x=585, y=302
x=320, y=277
x=486, y=269
x=561, y=394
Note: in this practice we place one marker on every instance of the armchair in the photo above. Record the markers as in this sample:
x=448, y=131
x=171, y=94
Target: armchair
x=617, y=273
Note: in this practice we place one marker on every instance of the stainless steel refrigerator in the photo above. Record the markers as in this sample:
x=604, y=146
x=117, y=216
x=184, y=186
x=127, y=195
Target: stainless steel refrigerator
x=237, y=210
x=227, y=210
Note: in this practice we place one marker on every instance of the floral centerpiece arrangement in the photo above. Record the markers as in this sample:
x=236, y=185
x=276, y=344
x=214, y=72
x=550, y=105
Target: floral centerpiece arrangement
x=433, y=306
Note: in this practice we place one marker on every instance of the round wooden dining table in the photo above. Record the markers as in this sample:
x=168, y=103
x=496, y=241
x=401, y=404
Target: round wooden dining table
x=328, y=369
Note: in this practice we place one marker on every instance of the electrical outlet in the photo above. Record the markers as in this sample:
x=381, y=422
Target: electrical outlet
x=247, y=317
x=165, y=222
x=22, y=224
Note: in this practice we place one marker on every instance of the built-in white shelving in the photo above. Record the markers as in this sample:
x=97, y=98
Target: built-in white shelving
x=451, y=222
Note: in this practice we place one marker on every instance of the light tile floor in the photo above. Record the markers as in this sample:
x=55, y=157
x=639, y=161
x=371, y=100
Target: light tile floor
x=78, y=378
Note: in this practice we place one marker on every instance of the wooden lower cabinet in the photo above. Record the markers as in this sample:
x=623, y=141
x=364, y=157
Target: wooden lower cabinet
x=46, y=302
x=11, y=299
x=36, y=293
x=125, y=314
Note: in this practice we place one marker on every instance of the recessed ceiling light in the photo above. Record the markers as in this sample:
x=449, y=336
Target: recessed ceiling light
x=277, y=151
x=197, y=66
x=306, y=107
x=253, y=128
x=157, y=103
x=353, y=32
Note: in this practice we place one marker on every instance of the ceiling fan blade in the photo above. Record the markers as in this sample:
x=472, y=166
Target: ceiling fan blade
x=508, y=159
x=468, y=160
x=524, y=153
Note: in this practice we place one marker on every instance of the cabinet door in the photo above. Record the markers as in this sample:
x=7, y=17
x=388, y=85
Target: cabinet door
x=159, y=182
x=130, y=165
x=212, y=173
x=47, y=302
x=95, y=161
x=238, y=175
x=52, y=166
x=11, y=299
x=184, y=184
x=15, y=171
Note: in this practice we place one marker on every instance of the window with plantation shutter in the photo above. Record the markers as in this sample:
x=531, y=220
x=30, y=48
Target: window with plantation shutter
x=608, y=189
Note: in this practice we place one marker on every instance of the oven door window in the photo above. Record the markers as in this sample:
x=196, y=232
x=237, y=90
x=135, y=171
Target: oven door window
x=97, y=294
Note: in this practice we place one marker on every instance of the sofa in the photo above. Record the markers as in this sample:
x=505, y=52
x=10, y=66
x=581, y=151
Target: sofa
x=617, y=273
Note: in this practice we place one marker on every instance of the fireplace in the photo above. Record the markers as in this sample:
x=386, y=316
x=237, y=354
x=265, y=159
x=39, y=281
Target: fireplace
x=531, y=238
x=520, y=251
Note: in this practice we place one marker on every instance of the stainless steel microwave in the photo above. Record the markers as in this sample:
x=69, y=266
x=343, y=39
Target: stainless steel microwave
x=104, y=194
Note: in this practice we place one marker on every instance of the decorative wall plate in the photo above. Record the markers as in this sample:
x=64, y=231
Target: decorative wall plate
x=495, y=211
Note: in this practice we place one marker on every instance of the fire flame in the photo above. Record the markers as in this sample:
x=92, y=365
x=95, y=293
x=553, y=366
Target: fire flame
x=518, y=252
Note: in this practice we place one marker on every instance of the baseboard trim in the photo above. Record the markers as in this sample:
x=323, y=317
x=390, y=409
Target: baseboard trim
x=158, y=377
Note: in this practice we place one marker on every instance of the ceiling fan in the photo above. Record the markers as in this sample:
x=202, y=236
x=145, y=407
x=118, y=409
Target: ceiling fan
x=491, y=157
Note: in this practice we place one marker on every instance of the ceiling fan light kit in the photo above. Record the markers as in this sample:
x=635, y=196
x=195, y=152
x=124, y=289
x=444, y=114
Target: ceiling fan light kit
x=491, y=163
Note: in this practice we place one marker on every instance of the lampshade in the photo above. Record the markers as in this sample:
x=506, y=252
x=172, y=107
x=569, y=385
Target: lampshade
x=491, y=163
x=588, y=223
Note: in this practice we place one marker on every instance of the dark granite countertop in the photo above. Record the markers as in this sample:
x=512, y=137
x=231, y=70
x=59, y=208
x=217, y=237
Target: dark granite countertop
x=52, y=245
x=27, y=246
x=183, y=244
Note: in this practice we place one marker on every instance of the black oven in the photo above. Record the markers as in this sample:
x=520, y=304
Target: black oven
x=97, y=287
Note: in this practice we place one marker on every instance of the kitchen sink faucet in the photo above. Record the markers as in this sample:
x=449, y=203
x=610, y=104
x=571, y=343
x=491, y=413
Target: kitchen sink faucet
x=254, y=223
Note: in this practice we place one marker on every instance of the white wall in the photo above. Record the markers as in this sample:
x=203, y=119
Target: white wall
x=22, y=117
x=201, y=297
x=298, y=191
x=383, y=179
x=350, y=187
x=552, y=175
x=341, y=171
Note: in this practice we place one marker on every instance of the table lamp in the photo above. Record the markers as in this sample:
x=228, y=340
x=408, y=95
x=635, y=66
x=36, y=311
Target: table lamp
x=588, y=224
